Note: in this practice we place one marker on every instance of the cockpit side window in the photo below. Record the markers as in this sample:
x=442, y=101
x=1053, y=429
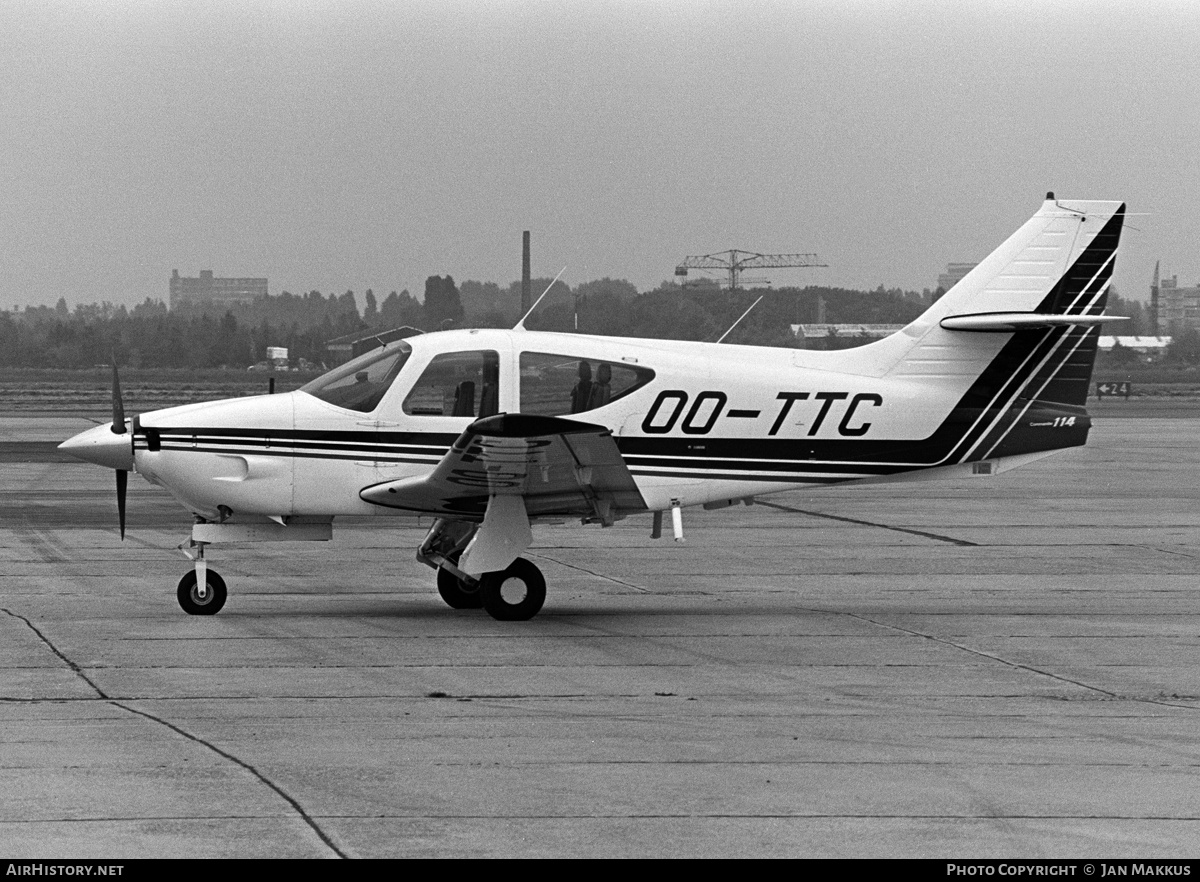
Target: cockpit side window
x=465, y=384
x=557, y=385
x=360, y=384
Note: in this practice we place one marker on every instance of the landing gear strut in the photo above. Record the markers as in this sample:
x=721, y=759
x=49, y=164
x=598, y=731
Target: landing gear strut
x=514, y=594
x=202, y=591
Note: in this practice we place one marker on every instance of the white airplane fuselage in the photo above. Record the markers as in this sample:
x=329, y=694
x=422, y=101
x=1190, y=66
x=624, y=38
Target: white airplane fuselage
x=716, y=422
x=488, y=431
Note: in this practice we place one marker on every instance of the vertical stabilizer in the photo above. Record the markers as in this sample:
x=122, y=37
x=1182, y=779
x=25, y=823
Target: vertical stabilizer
x=1000, y=344
x=1059, y=262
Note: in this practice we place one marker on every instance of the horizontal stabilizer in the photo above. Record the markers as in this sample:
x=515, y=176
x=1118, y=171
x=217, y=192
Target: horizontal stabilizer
x=1020, y=321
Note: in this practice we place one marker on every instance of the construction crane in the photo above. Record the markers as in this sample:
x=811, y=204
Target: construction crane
x=734, y=262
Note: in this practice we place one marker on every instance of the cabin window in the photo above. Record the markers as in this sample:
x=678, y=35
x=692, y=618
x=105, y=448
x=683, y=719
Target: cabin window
x=361, y=383
x=463, y=384
x=558, y=385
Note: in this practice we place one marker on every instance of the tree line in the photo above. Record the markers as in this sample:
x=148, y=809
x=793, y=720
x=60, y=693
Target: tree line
x=151, y=335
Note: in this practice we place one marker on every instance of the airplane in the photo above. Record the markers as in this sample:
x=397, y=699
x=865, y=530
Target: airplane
x=487, y=433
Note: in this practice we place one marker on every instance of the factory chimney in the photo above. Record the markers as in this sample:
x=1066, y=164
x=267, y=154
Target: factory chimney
x=525, y=278
x=1154, y=302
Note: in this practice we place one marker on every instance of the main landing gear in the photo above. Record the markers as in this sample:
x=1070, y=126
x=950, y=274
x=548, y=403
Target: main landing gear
x=458, y=593
x=514, y=594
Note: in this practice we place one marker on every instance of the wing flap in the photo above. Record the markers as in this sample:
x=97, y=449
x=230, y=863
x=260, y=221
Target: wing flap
x=558, y=466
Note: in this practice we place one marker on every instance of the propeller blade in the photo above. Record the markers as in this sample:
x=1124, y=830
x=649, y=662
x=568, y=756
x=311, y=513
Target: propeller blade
x=118, y=405
x=122, y=483
x=118, y=428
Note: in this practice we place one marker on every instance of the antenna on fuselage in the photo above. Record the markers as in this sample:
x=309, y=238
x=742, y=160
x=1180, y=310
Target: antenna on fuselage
x=520, y=326
x=742, y=316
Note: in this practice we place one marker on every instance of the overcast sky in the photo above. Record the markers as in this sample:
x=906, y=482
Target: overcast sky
x=356, y=145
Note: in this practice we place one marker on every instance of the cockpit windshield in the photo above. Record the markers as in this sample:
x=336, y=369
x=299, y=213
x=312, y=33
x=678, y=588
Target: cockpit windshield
x=360, y=384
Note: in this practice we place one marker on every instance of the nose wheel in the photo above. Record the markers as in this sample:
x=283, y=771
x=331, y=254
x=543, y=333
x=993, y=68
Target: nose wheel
x=201, y=603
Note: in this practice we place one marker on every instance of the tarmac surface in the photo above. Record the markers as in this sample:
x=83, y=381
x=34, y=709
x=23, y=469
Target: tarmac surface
x=994, y=667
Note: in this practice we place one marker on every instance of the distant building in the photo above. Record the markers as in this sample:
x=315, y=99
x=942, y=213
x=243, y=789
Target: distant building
x=1148, y=345
x=953, y=275
x=210, y=292
x=821, y=331
x=1178, y=308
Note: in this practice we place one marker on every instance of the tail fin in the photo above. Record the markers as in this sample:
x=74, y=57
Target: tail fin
x=1083, y=291
x=1057, y=265
x=1071, y=251
x=1015, y=341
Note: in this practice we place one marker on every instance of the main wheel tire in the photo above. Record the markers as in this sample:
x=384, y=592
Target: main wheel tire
x=515, y=594
x=189, y=596
x=457, y=593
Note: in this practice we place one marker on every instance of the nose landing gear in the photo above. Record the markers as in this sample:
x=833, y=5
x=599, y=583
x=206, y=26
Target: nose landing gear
x=202, y=591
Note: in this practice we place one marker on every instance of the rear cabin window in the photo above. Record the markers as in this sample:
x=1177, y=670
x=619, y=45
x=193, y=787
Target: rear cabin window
x=462, y=384
x=360, y=384
x=556, y=385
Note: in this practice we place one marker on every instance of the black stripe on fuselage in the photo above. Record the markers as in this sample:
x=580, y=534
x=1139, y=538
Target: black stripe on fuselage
x=718, y=476
x=421, y=447
x=338, y=454
x=759, y=465
x=314, y=436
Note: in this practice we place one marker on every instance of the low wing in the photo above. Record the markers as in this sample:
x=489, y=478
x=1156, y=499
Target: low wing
x=557, y=466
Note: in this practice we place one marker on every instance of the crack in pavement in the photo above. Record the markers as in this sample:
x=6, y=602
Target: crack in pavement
x=1012, y=664
x=78, y=671
x=605, y=816
x=259, y=776
x=1167, y=551
x=817, y=514
x=570, y=566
